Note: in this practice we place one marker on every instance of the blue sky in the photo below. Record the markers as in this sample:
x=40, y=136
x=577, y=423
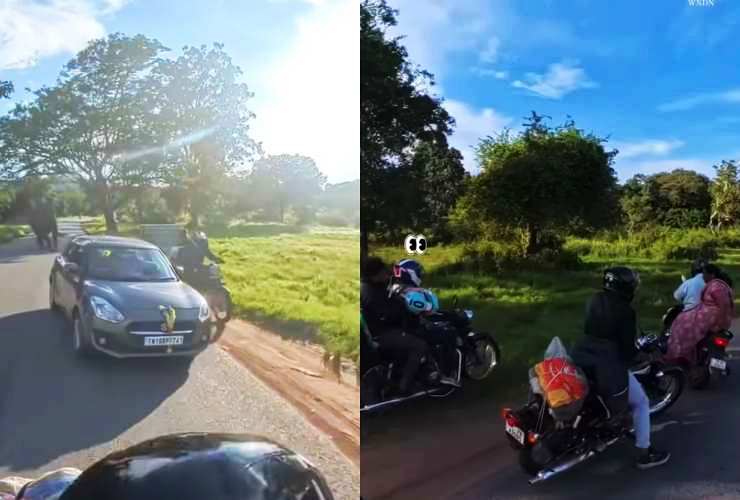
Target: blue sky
x=299, y=57
x=661, y=79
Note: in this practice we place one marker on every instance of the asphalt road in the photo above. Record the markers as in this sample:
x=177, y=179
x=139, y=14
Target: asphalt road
x=56, y=410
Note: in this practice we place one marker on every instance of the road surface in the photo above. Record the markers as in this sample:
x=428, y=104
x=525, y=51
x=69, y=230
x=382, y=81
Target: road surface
x=701, y=431
x=58, y=411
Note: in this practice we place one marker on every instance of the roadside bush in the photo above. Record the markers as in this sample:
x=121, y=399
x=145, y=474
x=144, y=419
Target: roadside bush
x=654, y=243
x=494, y=256
x=332, y=220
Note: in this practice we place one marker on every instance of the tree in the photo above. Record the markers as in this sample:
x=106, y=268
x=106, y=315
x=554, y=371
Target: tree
x=395, y=114
x=6, y=88
x=288, y=181
x=438, y=180
x=203, y=117
x=680, y=198
x=725, y=194
x=542, y=179
x=89, y=122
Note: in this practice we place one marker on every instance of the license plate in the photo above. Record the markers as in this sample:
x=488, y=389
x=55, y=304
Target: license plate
x=719, y=364
x=516, y=433
x=164, y=340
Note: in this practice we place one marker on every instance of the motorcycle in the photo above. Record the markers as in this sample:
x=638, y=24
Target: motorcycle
x=209, y=282
x=548, y=447
x=455, y=348
x=712, y=356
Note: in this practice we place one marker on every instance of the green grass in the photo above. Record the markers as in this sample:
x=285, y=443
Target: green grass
x=309, y=281
x=10, y=232
x=526, y=309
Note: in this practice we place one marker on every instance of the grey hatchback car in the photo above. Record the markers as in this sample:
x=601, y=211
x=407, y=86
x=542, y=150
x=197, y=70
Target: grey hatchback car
x=125, y=299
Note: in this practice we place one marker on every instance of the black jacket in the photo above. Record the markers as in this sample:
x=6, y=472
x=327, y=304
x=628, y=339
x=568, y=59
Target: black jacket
x=608, y=347
x=381, y=313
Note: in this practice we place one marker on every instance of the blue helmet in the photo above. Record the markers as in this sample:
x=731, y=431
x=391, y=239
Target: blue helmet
x=408, y=272
x=420, y=301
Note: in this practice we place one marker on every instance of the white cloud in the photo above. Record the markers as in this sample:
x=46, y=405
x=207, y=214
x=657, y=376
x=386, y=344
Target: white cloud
x=647, y=147
x=490, y=53
x=33, y=29
x=471, y=126
x=560, y=79
x=499, y=75
x=306, y=101
x=731, y=96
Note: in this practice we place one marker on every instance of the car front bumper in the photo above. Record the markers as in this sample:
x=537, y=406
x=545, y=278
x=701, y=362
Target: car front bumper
x=127, y=339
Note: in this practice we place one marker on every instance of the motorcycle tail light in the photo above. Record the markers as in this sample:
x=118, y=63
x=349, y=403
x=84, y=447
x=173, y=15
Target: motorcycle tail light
x=510, y=418
x=721, y=341
x=532, y=437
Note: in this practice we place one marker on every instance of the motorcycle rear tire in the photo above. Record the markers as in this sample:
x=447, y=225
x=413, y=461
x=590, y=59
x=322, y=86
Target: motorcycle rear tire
x=527, y=462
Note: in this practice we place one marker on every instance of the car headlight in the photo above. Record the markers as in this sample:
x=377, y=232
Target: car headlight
x=104, y=310
x=469, y=313
x=205, y=312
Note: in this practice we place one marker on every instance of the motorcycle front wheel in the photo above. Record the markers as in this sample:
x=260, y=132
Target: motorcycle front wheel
x=220, y=304
x=483, y=358
x=664, y=391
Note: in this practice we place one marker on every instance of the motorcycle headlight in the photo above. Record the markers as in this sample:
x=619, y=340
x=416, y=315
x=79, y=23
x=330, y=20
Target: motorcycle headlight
x=469, y=313
x=104, y=310
x=205, y=312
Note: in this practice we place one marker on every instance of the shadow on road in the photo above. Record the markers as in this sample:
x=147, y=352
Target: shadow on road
x=52, y=403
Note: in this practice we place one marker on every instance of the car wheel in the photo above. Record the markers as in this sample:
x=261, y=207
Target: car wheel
x=79, y=341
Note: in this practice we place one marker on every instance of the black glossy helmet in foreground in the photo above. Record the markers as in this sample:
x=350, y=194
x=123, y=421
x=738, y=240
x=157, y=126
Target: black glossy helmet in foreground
x=201, y=467
x=622, y=280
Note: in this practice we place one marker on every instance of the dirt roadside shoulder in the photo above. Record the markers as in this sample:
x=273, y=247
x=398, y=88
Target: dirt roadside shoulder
x=295, y=371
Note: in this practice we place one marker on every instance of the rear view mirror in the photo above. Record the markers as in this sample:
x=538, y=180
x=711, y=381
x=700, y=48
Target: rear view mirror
x=180, y=270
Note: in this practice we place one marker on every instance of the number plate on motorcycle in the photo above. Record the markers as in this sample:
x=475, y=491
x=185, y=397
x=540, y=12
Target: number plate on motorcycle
x=516, y=433
x=719, y=364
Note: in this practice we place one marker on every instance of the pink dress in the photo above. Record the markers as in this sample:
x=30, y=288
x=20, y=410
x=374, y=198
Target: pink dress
x=714, y=313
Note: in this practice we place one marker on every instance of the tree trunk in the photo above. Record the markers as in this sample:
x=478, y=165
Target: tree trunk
x=533, y=240
x=106, y=204
x=139, y=203
x=282, y=212
x=364, y=243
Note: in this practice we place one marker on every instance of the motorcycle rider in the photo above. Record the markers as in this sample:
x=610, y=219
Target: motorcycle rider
x=192, y=254
x=607, y=351
x=190, y=466
x=689, y=293
x=384, y=315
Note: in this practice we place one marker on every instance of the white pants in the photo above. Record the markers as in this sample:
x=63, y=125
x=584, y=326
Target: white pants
x=640, y=406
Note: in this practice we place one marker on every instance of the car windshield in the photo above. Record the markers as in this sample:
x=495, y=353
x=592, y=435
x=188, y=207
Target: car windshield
x=128, y=264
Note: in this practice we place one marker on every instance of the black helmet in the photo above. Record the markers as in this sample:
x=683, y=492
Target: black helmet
x=201, y=466
x=622, y=280
x=697, y=267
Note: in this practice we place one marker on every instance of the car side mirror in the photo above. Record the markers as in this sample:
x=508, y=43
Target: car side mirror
x=180, y=270
x=72, y=268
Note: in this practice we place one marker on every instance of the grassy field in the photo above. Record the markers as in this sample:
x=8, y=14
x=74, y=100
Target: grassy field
x=303, y=282
x=526, y=309
x=307, y=280
x=11, y=232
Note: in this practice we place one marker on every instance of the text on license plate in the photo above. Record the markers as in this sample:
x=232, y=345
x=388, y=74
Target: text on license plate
x=720, y=364
x=164, y=340
x=516, y=433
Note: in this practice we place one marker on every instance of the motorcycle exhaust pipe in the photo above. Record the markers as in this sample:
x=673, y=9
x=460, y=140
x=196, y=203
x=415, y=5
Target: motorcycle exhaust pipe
x=546, y=474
